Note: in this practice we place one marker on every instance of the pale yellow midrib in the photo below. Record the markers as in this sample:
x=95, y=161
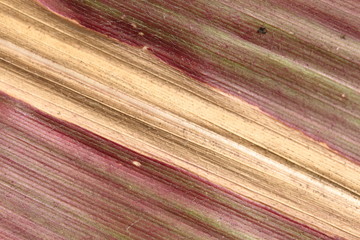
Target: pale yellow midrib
x=189, y=115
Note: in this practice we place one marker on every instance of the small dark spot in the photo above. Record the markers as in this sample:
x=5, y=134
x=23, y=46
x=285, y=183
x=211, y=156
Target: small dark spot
x=343, y=36
x=262, y=30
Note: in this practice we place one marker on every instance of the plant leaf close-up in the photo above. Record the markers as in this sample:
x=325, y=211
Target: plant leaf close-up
x=170, y=119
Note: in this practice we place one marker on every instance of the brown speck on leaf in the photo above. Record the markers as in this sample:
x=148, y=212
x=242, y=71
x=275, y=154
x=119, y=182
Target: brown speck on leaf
x=343, y=36
x=262, y=30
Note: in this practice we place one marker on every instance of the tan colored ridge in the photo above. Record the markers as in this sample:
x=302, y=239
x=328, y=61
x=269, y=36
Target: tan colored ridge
x=126, y=95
